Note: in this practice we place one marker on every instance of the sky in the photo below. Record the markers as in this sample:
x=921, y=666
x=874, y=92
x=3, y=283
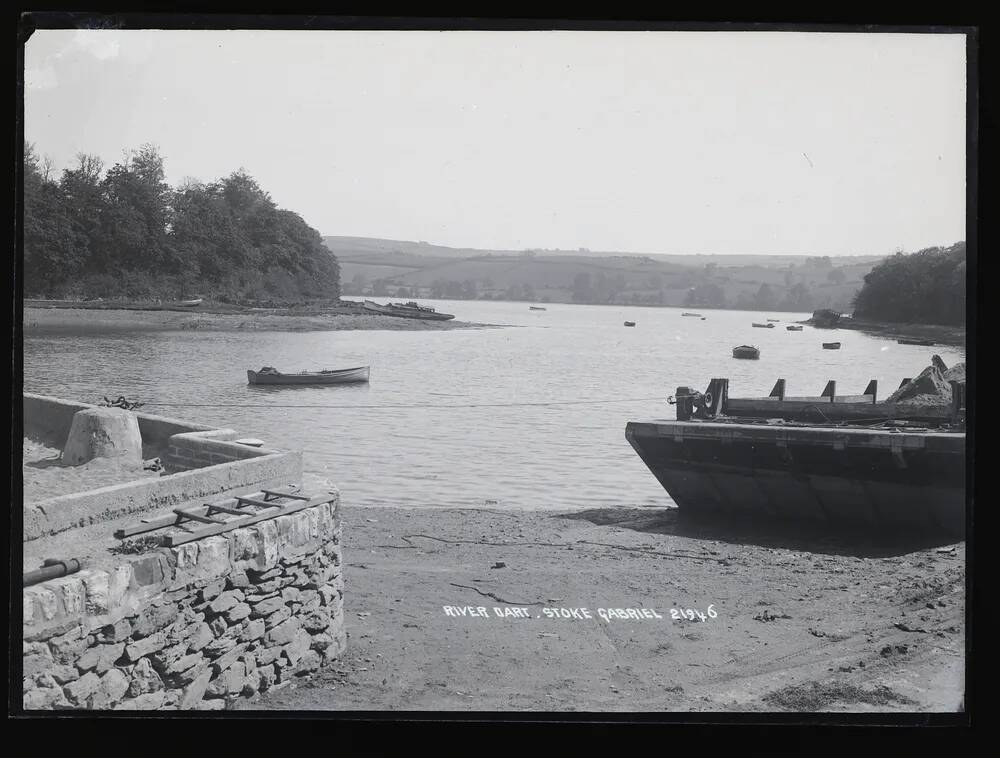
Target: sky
x=647, y=142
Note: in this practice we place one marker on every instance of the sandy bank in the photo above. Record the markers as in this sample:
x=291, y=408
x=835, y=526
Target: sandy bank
x=810, y=623
x=83, y=321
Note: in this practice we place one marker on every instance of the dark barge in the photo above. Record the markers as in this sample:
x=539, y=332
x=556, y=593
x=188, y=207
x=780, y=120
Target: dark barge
x=841, y=461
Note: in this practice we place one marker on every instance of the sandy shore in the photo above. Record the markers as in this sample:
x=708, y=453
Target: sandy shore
x=806, y=623
x=92, y=320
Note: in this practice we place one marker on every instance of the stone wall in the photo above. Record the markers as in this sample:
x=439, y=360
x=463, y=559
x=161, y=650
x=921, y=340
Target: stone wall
x=191, y=627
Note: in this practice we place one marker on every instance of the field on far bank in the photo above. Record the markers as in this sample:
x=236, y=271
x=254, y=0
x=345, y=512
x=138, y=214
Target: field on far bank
x=83, y=320
x=446, y=610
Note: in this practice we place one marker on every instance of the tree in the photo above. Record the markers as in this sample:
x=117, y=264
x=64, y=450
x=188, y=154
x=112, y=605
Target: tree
x=54, y=250
x=765, y=298
x=128, y=233
x=798, y=299
x=924, y=287
x=582, y=292
x=709, y=295
x=836, y=276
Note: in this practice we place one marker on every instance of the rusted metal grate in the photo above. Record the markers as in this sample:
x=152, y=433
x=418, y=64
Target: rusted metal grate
x=194, y=523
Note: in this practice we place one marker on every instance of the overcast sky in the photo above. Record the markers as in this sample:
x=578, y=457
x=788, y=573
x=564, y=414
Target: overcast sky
x=653, y=142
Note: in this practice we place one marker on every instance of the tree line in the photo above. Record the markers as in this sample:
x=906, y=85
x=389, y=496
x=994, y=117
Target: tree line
x=125, y=233
x=927, y=287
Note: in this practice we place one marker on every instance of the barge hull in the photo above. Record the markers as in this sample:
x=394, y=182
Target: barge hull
x=876, y=479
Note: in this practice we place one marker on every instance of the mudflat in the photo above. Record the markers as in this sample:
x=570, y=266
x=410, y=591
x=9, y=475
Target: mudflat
x=636, y=609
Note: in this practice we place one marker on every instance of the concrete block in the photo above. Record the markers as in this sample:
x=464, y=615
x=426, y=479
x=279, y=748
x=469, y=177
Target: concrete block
x=103, y=433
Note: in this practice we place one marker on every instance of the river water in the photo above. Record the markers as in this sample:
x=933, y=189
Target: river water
x=532, y=415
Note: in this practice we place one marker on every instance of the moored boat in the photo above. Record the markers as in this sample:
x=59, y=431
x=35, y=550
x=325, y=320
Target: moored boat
x=629, y=323
x=270, y=375
x=794, y=328
x=778, y=320
x=925, y=343
x=407, y=310
x=691, y=314
x=746, y=351
x=818, y=459
x=535, y=308
x=764, y=326
x=831, y=346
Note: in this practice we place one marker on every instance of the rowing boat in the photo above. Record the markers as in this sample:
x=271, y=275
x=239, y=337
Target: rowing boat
x=746, y=351
x=269, y=375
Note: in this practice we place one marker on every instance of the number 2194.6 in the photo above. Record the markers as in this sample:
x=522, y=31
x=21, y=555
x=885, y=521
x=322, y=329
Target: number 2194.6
x=690, y=614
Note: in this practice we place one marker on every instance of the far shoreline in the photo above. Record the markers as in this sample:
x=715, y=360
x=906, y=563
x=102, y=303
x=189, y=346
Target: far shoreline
x=56, y=319
x=952, y=336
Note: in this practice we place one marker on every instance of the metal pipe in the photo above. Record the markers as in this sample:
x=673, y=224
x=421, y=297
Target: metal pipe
x=52, y=569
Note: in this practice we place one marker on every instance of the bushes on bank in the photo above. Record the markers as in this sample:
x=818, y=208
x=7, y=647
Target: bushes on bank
x=927, y=287
x=125, y=233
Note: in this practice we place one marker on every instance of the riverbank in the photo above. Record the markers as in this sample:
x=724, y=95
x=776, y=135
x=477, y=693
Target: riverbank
x=445, y=610
x=941, y=334
x=98, y=320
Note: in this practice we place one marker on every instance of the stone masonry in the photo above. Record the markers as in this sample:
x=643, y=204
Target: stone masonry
x=191, y=627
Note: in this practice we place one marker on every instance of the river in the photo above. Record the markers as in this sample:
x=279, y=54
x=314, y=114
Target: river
x=528, y=416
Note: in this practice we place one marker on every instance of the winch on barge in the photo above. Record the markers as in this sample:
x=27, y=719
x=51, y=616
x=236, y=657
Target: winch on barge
x=840, y=460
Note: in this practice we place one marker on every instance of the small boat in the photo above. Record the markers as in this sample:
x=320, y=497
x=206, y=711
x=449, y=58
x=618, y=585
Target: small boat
x=691, y=314
x=775, y=319
x=831, y=346
x=407, y=310
x=702, y=318
x=764, y=326
x=746, y=351
x=270, y=375
x=629, y=323
x=925, y=343
x=535, y=308
x=190, y=303
x=794, y=328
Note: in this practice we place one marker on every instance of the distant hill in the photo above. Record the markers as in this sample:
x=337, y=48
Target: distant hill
x=380, y=268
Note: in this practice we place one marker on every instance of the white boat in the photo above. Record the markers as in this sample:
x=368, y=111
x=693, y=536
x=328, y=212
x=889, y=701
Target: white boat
x=269, y=375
